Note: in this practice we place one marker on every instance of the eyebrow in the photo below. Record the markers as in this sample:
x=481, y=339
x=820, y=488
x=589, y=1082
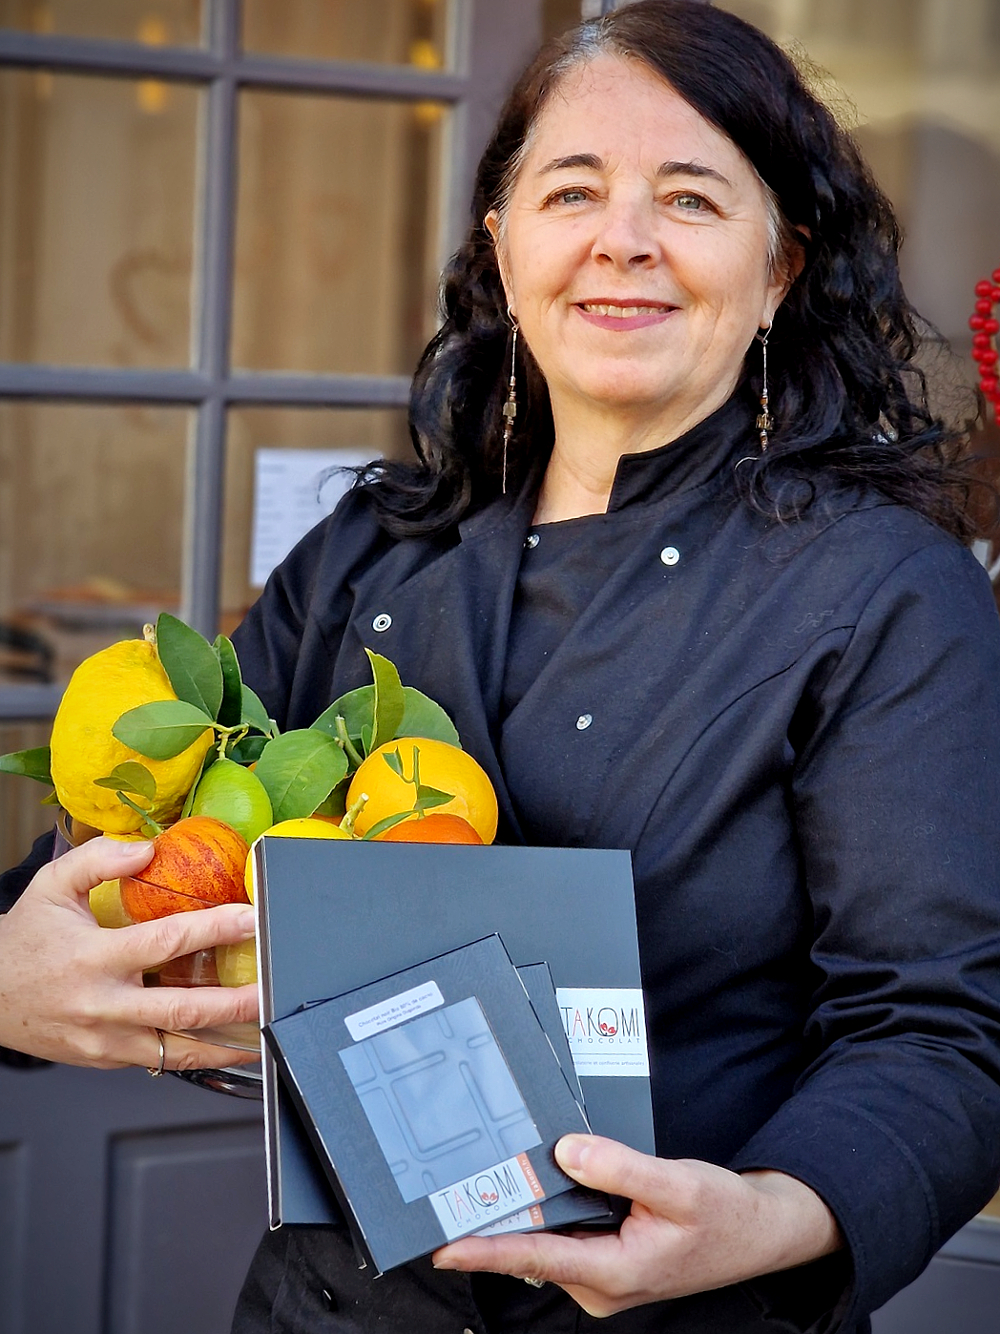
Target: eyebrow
x=594, y=163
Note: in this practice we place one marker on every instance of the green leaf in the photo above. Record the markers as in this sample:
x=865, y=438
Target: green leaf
x=394, y=761
x=231, y=709
x=390, y=703
x=336, y=802
x=366, y=739
x=130, y=776
x=388, y=822
x=299, y=770
x=357, y=708
x=162, y=729
x=28, y=764
x=429, y=797
x=247, y=750
x=255, y=715
x=190, y=663
x=51, y=799
x=425, y=793
x=424, y=717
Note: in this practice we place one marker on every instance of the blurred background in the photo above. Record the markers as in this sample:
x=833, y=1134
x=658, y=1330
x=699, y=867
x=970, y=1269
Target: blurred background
x=221, y=229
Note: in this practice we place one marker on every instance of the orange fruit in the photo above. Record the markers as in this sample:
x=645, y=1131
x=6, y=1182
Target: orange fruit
x=197, y=863
x=433, y=828
x=442, y=766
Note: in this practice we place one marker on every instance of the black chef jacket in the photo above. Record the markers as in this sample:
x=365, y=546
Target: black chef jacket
x=795, y=728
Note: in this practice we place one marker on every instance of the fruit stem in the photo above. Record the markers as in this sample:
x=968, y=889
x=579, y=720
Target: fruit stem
x=353, y=811
x=149, y=633
x=345, y=742
x=147, y=819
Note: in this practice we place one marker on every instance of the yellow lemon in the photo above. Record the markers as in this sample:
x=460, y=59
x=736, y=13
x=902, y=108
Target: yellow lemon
x=236, y=964
x=106, y=904
x=306, y=826
x=102, y=688
x=442, y=766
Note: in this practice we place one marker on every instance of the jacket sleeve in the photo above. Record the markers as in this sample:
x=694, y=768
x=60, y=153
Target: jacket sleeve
x=896, y=1121
x=290, y=637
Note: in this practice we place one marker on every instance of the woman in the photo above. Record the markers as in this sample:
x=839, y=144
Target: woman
x=710, y=608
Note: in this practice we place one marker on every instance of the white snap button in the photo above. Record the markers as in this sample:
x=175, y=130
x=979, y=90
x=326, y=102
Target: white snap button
x=531, y=541
x=381, y=622
x=584, y=721
x=670, y=555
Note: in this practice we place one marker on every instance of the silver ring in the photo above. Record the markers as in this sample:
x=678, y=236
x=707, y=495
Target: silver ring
x=535, y=1282
x=157, y=1070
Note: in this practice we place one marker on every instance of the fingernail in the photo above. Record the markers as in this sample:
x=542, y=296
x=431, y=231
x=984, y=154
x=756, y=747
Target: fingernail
x=570, y=1152
x=128, y=849
x=245, y=920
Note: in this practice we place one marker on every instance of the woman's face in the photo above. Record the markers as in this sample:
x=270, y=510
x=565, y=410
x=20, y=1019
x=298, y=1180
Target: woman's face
x=634, y=251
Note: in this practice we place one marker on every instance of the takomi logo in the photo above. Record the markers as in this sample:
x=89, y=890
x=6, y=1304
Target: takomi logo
x=486, y=1190
x=607, y=1021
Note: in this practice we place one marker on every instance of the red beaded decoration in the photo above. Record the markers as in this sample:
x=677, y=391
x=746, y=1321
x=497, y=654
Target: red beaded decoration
x=985, y=326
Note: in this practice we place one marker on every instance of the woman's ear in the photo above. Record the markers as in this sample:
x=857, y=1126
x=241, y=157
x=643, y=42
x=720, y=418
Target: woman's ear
x=789, y=266
x=492, y=225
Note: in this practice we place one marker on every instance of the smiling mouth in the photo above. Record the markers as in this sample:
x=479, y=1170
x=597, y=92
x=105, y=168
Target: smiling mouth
x=623, y=312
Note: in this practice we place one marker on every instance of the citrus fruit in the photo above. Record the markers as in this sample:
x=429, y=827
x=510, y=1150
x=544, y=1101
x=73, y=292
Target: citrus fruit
x=433, y=828
x=236, y=964
x=305, y=826
x=102, y=688
x=106, y=904
x=197, y=863
x=442, y=766
x=231, y=793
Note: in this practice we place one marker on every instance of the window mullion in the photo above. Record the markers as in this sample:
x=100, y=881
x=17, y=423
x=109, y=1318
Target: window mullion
x=202, y=558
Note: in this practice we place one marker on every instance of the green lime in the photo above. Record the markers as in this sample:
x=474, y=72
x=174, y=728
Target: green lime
x=232, y=794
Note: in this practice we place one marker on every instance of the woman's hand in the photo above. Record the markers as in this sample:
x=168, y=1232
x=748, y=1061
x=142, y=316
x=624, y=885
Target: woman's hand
x=693, y=1227
x=72, y=991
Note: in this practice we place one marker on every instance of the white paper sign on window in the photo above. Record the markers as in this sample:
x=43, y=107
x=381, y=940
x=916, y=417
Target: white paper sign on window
x=292, y=492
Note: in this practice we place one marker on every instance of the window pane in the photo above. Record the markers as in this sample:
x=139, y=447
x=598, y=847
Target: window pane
x=90, y=526
x=263, y=521
x=96, y=219
x=156, y=22
x=924, y=77
x=393, y=32
x=336, y=254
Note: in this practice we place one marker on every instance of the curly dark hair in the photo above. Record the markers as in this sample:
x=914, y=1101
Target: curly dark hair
x=849, y=402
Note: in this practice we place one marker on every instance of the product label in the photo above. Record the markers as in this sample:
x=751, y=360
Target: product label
x=606, y=1029
x=523, y=1221
x=396, y=1010
x=476, y=1201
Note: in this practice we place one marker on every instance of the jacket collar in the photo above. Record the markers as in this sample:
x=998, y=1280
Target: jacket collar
x=690, y=460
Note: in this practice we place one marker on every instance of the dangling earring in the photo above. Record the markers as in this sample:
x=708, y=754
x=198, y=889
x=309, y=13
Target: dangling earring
x=765, y=422
x=510, y=406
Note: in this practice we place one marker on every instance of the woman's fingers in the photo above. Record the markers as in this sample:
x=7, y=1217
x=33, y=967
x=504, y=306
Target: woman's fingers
x=149, y=944
x=72, y=876
x=606, y=1165
x=549, y=1258
x=192, y=1007
x=181, y=1053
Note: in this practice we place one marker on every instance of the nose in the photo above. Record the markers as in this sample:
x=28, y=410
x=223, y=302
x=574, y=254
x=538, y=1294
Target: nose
x=626, y=238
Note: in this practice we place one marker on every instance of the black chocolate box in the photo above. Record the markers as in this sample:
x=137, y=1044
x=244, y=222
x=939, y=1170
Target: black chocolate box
x=332, y=915
x=434, y=1099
